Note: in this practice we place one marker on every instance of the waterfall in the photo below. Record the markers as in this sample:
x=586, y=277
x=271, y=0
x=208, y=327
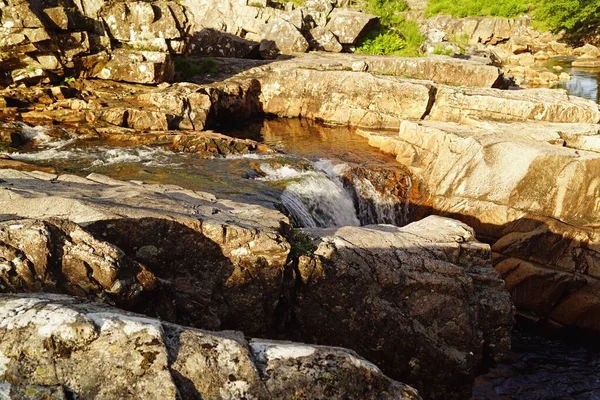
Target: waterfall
x=319, y=201
x=331, y=195
x=377, y=206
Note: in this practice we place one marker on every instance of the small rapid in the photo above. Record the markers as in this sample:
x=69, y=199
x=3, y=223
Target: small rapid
x=333, y=194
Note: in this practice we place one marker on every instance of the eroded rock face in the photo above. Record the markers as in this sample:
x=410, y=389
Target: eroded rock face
x=59, y=256
x=531, y=191
x=377, y=289
x=44, y=40
x=137, y=357
x=552, y=271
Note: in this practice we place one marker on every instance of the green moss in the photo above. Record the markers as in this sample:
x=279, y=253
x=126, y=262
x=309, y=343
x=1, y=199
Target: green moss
x=301, y=245
x=440, y=49
x=187, y=68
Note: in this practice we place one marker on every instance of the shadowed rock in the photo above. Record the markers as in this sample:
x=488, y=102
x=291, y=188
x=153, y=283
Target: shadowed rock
x=137, y=357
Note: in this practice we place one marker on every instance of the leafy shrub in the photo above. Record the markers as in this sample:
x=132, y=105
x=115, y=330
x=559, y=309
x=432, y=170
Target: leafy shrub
x=576, y=17
x=396, y=36
x=382, y=42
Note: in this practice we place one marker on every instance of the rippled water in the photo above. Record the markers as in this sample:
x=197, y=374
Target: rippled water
x=584, y=81
x=315, y=197
x=541, y=368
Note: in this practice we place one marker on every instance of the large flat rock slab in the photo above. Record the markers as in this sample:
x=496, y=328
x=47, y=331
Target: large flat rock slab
x=439, y=69
x=209, y=252
x=343, y=97
x=500, y=172
x=464, y=104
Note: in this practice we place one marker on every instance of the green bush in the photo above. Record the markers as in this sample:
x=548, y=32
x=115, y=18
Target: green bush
x=577, y=17
x=382, y=42
x=396, y=36
x=483, y=8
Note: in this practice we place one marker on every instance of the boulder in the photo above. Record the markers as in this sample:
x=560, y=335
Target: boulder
x=286, y=36
x=588, y=49
x=149, y=26
x=322, y=39
x=49, y=340
x=348, y=25
x=148, y=67
x=213, y=43
x=378, y=288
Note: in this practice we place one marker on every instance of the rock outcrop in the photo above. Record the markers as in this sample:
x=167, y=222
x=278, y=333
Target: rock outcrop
x=43, y=41
x=221, y=264
x=218, y=264
x=530, y=190
x=49, y=340
x=59, y=256
x=274, y=27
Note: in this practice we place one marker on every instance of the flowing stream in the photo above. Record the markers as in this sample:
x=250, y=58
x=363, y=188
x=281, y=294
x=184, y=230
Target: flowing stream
x=320, y=182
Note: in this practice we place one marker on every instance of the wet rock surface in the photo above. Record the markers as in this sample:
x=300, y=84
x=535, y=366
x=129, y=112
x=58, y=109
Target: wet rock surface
x=49, y=340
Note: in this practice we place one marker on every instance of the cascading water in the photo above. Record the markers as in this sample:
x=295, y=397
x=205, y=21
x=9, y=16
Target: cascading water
x=315, y=198
x=379, y=207
x=325, y=196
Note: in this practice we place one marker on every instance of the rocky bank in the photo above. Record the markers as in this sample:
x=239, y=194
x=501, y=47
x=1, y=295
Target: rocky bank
x=192, y=259
x=49, y=341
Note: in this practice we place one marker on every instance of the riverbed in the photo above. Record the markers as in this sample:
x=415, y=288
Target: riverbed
x=307, y=170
